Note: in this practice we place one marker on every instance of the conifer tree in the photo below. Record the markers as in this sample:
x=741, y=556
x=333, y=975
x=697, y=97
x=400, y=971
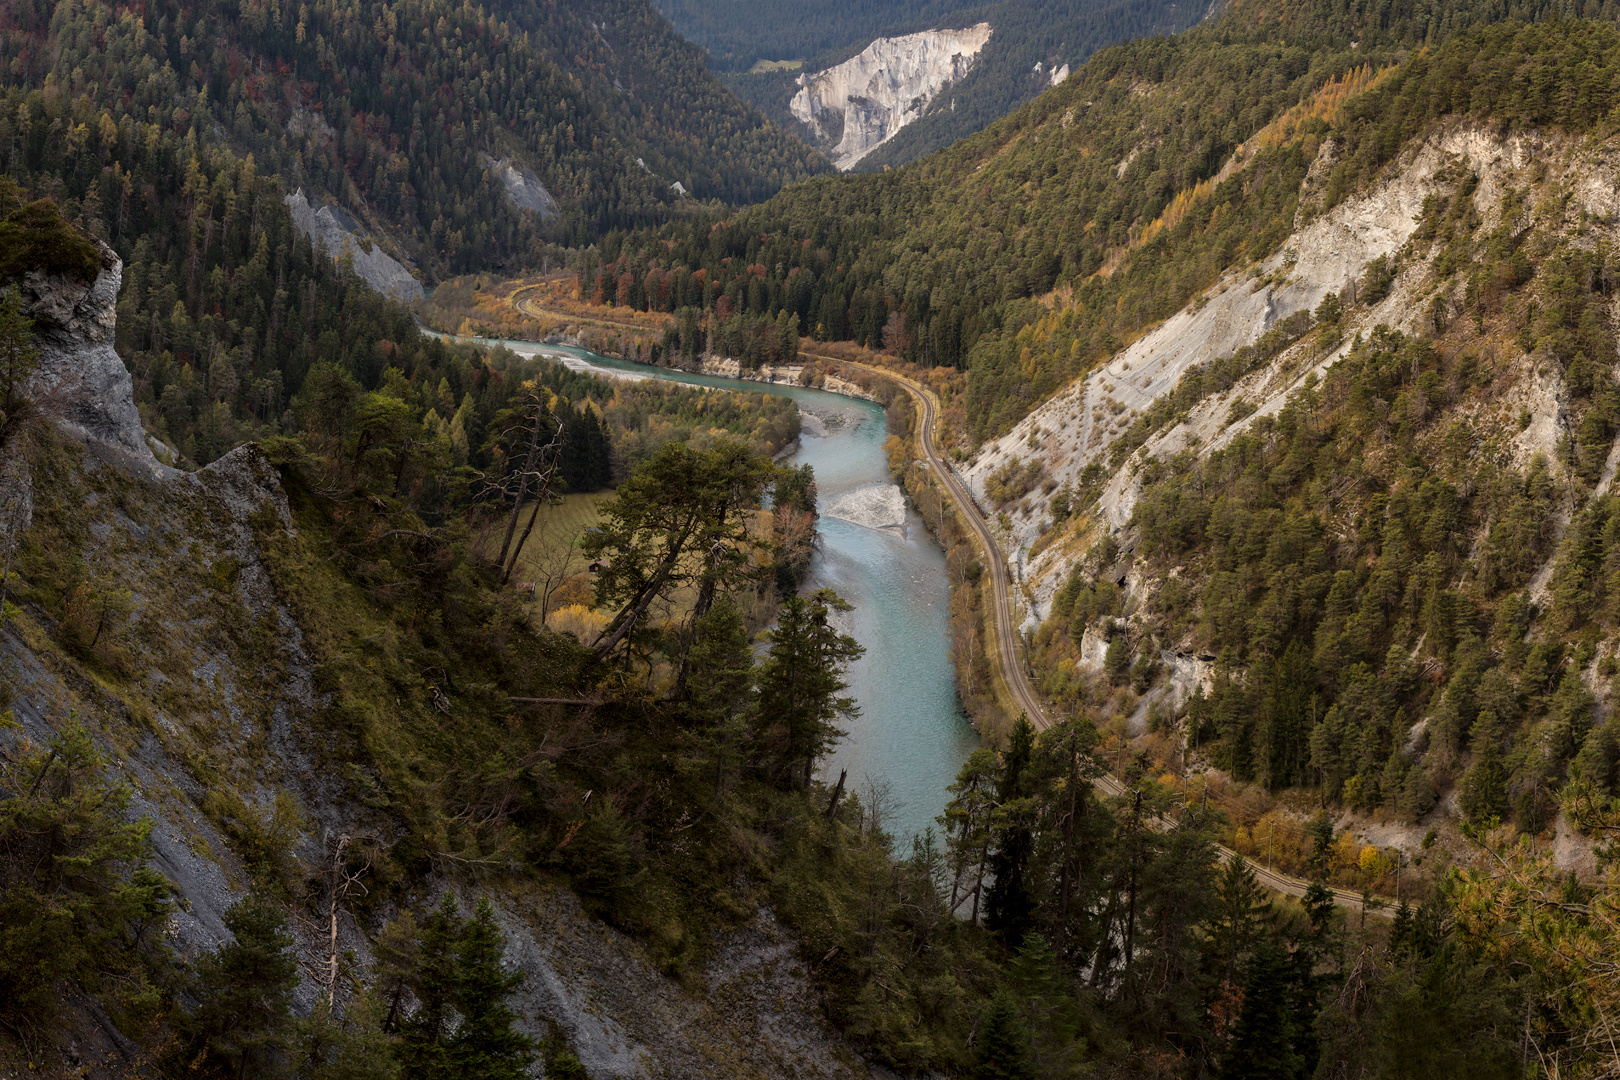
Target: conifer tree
x=967, y=826
x=1240, y=909
x=485, y=1046
x=1262, y=1045
x=18, y=354
x=1008, y=905
x=423, y=1049
x=462, y=1027
x=1003, y=1052
x=246, y=989
x=720, y=682
x=801, y=685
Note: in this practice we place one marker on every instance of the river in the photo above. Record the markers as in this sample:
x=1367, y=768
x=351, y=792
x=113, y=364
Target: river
x=912, y=734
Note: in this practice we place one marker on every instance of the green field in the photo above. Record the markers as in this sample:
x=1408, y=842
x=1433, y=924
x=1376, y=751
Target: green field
x=552, y=551
x=763, y=67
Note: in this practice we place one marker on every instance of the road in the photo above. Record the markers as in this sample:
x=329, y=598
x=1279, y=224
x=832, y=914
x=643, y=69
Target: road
x=1010, y=663
x=1002, y=614
x=1001, y=599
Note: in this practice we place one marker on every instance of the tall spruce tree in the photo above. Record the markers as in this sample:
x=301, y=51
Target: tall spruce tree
x=720, y=688
x=485, y=1045
x=462, y=1027
x=1262, y=1046
x=1008, y=905
x=246, y=990
x=1002, y=1052
x=801, y=685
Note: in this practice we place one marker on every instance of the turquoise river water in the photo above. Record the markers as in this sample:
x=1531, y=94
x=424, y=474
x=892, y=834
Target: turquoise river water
x=912, y=733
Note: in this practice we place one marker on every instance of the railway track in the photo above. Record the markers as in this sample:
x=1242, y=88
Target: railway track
x=1003, y=614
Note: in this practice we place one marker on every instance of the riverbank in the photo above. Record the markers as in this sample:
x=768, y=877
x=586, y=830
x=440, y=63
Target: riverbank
x=912, y=735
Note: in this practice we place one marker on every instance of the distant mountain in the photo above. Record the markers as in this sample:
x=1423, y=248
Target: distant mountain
x=816, y=33
x=1033, y=44
x=456, y=136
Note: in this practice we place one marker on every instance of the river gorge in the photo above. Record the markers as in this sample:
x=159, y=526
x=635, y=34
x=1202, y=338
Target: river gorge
x=912, y=734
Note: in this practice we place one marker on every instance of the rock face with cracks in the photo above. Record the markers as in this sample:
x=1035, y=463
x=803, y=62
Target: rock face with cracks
x=858, y=105
x=80, y=381
x=332, y=228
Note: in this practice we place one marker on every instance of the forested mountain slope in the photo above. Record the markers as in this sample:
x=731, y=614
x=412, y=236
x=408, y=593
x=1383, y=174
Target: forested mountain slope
x=396, y=111
x=1342, y=520
x=275, y=727
x=737, y=33
x=1386, y=544
x=1034, y=44
x=1087, y=191
x=176, y=132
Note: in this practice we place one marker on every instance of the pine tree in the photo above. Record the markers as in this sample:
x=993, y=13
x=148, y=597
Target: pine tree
x=18, y=354
x=462, y=1027
x=1283, y=733
x=353, y=1046
x=1241, y=906
x=1002, y=1052
x=1262, y=1045
x=1008, y=905
x=1484, y=796
x=246, y=989
x=801, y=685
x=966, y=823
x=485, y=1047
x=423, y=1047
x=720, y=687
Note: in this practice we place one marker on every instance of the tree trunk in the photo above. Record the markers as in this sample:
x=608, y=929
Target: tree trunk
x=1130, y=912
x=838, y=793
x=539, y=501
x=523, y=486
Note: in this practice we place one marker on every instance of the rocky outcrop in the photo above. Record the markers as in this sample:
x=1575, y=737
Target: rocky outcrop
x=80, y=381
x=335, y=230
x=755, y=1012
x=1080, y=424
x=858, y=105
x=524, y=189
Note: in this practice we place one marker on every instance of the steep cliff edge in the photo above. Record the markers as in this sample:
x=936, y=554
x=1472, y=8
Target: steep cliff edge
x=858, y=105
x=192, y=624
x=80, y=380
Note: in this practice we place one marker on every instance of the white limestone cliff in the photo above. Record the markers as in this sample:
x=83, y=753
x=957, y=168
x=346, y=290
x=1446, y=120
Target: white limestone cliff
x=858, y=105
x=1081, y=423
x=524, y=189
x=332, y=228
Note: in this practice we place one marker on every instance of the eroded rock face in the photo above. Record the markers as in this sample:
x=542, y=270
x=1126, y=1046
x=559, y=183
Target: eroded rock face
x=524, y=189
x=859, y=105
x=80, y=380
x=1327, y=252
x=334, y=229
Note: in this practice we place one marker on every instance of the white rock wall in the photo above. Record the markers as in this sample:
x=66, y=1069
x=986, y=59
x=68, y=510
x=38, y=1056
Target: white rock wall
x=338, y=233
x=80, y=380
x=1080, y=424
x=885, y=87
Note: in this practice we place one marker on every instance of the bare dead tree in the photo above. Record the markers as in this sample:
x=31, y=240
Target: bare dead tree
x=342, y=880
x=535, y=475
